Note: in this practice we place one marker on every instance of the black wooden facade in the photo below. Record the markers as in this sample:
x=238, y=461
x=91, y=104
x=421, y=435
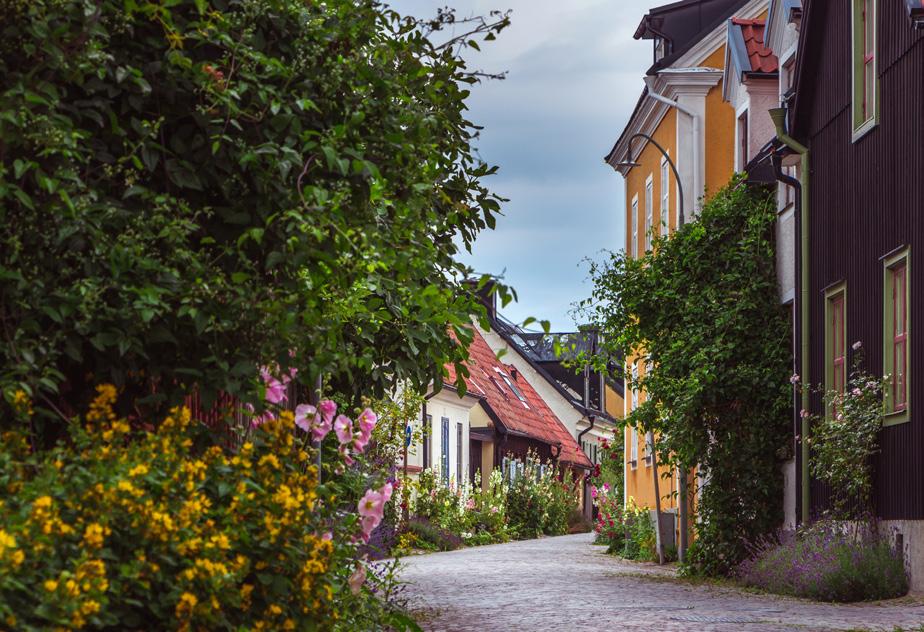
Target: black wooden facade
x=866, y=201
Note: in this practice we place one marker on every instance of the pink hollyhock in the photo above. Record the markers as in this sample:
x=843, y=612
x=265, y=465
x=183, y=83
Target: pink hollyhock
x=345, y=454
x=367, y=420
x=328, y=536
x=371, y=510
x=308, y=419
x=357, y=579
x=343, y=426
x=386, y=491
x=275, y=390
x=593, y=492
x=857, y=392
x=328, y=410
x=794, y=379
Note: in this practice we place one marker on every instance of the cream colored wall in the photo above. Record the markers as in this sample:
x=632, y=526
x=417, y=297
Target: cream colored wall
x=446, y=403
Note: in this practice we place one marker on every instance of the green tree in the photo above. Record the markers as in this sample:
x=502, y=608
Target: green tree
x=191, y=189
x=702, y=308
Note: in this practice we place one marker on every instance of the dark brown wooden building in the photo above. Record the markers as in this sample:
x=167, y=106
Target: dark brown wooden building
x=859, y=109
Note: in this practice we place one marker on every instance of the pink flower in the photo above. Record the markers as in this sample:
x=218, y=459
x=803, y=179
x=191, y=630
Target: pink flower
x=857, y=345
x=328, y=536
x=328, y=410
x=493, y=510
x=275, y=390
x=308, y=419
x=470, y=504
x=357, y=579
x=857, y=392
x=794, y=379
x=345, y=453
x=367, y=420
x=804, y=414
x=593, y=491
x=386, y=491
x=344, y=429
x=371, y=510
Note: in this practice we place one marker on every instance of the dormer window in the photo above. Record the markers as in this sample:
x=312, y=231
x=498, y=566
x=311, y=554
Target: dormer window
x=513, y=387
x=660, y=48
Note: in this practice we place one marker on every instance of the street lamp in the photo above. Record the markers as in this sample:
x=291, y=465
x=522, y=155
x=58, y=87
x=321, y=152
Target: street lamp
x=631, y=163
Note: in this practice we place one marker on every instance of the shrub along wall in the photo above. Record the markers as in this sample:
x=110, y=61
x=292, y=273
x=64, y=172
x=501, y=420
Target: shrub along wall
x=702, y=308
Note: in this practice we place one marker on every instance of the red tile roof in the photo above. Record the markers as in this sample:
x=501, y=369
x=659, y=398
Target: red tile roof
x=532, y=418
x=762, y=58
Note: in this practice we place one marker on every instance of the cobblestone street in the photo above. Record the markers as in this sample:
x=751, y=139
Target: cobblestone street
x=566, y=583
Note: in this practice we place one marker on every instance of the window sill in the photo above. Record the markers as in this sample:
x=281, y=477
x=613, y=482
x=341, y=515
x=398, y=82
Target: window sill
x=633, y=465
x=647, y=461
x=897, y=418
x=864, y=129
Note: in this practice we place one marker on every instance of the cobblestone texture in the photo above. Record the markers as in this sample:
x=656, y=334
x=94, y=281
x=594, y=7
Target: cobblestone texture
x=567, y=583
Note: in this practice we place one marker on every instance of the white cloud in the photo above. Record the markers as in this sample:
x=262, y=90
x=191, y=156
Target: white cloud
x=575, y=74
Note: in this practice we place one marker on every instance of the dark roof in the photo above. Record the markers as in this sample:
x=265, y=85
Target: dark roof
x=916, y=11
x=746, y=45
x=683, y=24
x=760, y=168
x=527, y=417
x=538, y=350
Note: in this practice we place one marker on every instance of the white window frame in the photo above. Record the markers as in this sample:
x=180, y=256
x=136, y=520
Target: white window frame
x=634, y=249
x=633, y=448
x=665, y=196
x=649, y=210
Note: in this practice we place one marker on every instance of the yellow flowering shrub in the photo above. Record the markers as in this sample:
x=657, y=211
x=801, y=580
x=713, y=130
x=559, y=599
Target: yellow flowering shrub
x=162, y=529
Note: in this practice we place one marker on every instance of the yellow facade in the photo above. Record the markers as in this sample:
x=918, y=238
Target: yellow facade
x=719, y=151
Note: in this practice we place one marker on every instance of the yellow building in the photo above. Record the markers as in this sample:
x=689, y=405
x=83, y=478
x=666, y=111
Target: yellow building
x=680, y=119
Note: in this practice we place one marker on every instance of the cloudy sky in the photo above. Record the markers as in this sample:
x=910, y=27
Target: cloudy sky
x=574, y=75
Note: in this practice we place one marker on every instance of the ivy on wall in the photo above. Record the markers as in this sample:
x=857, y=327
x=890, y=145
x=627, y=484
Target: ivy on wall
x=703, y=309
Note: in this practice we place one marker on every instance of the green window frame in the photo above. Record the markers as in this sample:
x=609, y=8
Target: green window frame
x=896, y=336
x=836, y=373
x=865, y=66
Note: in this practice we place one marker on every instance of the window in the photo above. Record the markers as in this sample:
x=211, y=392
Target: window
x=512, y=386
x=634, y=248
x=665, y=196
x=649, y=211
x=427, y=431
x=743, y=141
x=835, y=340
x=865, y=85
x=444, y=451
x=633, y=449
x=594, y=459
x=458, y=454
x=895, y=335
x=649, y=441
x=634, y=388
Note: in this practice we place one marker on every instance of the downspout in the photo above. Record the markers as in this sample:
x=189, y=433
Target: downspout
x=698, y=184
x=779, y=121
x=593, y=420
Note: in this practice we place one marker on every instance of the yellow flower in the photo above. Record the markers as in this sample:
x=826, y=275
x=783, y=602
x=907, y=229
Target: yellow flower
x=72, y=588
x=50, y=585
x=89, y=607
x=139, y=470
x=94, y=535
x=18, y=558
x=187, y=603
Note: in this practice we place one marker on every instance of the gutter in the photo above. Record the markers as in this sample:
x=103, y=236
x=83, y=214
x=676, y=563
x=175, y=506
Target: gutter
x=593, y=420
x=779, y=121
x=698, y=184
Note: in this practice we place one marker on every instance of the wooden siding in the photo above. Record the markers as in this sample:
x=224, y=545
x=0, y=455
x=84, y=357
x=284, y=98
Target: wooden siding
x=867, y=200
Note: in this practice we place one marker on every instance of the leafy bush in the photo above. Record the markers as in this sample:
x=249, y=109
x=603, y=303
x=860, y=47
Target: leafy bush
x=426, y=532
x=641, y=540
x=701, y=308
x=610, y=524
x=191, y=189
x=161, y=529
x=828, y=564
x=540, y=499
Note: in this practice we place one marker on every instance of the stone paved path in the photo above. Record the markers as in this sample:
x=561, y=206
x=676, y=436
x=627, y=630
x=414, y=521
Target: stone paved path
x=566, y=583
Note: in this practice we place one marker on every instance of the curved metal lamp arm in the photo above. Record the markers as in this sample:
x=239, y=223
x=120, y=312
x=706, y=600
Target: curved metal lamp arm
x=669, y=161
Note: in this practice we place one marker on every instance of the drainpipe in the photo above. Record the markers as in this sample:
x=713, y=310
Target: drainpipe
x=593, y=420
x=779, y=121
x=698, y=184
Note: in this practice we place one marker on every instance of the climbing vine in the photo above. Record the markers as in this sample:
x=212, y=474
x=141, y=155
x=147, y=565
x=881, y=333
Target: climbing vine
x=703, y=310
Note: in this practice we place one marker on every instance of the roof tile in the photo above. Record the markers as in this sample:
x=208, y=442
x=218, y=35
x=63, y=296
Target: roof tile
x=762, y=58
x=533, y=417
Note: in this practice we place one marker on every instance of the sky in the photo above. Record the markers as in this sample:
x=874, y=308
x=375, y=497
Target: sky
x=574, y=74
